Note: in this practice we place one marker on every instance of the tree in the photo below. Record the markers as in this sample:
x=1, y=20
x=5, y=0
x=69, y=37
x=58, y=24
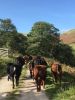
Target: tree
x=18, y=43
x=10, y=38
x=7, y=31
x=42, y=38
x=7, y=26
x=63, y=53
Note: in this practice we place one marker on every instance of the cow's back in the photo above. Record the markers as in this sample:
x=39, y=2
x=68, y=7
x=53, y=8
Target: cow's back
x=39, y=71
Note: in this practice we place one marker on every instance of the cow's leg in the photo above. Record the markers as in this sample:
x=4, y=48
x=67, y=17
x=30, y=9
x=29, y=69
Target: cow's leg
x=31, y=73
x=39, y=84
x=43, y=83
x=38, y=87
x=17, y=80
x=13, y=82
x=8, y=77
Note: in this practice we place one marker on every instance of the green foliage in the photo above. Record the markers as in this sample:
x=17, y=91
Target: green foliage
x=63, y=53
x=42, y=38
x=72, y=45
x=64, y=92
x=18, y=43
x=3, y=66
x=7, y=26
x=7, y=31
x=55, y=92
x=10, y=38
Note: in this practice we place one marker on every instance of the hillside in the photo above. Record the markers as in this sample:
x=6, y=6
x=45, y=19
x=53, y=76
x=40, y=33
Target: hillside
x=68, y=37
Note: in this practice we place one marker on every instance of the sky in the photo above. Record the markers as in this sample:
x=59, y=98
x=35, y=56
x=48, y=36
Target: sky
x=24, y=13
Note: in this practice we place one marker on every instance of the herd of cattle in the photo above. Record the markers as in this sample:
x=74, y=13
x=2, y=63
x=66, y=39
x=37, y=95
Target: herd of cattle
x=37, y=67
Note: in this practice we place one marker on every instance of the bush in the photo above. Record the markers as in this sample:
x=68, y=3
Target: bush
x=63, y=53
x=3, y=66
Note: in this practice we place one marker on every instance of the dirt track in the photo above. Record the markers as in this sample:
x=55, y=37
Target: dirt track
x=5, y=87
x=27, y=92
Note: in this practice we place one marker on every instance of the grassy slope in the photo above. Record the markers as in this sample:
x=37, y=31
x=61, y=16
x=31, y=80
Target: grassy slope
x=67, y=89
x=68, y=37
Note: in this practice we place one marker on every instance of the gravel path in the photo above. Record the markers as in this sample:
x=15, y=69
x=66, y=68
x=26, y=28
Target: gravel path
x=5, y=87
x=27, y=92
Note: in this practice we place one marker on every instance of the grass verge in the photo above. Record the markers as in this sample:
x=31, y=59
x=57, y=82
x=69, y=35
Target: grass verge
x=64, y=92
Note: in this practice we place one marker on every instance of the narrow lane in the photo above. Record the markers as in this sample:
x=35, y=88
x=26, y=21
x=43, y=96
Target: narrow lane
x=29, y=92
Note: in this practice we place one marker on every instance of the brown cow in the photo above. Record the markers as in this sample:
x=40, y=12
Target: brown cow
x=39, y=72
x=40, y=76
x=56, y=70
